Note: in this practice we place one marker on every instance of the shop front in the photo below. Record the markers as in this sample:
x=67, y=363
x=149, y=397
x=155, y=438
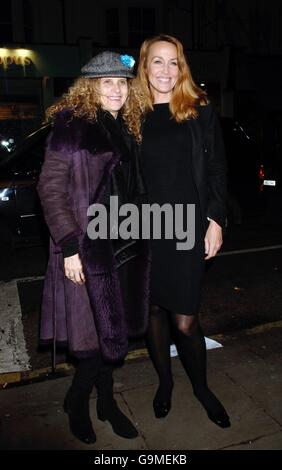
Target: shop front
x=30, y=80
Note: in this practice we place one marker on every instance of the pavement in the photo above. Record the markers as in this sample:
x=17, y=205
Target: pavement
x=246, y=374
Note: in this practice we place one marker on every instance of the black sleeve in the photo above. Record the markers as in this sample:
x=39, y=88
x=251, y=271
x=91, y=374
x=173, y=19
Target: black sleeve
x=217, y=170
x=70, y=247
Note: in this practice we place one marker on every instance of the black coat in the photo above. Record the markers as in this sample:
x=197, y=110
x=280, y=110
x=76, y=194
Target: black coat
x=209, y=164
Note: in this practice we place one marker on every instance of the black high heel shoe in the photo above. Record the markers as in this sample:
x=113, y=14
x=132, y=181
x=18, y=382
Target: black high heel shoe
x=213, y=407
x=162, y=407
x=221, y=419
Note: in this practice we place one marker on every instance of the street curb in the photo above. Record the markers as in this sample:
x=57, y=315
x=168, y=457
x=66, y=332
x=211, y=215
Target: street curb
x=64, y=369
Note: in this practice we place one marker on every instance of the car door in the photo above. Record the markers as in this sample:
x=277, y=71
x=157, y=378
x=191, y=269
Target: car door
x=20, y=209
x=8, y=213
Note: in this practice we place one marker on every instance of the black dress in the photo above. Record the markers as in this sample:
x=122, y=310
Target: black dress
x=166, y=164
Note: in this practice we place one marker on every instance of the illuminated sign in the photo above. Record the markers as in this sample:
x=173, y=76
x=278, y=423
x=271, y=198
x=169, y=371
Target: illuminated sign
x=14, y=57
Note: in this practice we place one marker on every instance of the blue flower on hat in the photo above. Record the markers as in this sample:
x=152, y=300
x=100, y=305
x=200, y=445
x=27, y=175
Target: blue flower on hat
x=127, y=60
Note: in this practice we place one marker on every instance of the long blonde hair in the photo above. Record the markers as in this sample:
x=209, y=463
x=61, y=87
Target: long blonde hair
x=83, y=99
x=186, y=95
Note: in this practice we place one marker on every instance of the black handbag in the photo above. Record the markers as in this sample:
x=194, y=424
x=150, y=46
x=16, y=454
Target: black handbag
x=125, y=250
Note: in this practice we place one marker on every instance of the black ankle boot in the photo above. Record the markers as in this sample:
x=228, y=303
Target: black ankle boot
x=76, y=405
x=162, y=401
x=107, y=409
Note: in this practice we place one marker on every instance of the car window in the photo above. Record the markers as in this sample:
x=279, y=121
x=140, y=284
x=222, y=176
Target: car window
x=30, y=160
x=28, y=156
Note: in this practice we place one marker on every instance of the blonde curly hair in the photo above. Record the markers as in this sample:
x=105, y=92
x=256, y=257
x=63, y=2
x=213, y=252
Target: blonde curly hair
x=83, y=99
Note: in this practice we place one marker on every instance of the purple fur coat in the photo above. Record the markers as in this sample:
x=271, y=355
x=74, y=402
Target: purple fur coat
x=79, y=161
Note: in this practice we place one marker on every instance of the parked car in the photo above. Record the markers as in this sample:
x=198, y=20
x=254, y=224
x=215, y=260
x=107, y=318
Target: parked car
x=21, y=218
x=271, y=188
x=244, y=178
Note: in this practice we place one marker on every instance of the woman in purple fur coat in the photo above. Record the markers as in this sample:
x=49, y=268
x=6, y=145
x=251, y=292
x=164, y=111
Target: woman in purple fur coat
x=92, y=155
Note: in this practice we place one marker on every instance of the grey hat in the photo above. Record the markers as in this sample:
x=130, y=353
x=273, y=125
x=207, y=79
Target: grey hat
x=109, y=64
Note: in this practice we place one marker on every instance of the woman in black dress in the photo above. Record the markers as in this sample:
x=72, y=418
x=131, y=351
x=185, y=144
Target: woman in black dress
x=183, y=162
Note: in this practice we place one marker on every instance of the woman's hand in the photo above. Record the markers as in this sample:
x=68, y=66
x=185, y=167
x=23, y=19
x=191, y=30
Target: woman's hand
x=73, y=269
x=213, y=239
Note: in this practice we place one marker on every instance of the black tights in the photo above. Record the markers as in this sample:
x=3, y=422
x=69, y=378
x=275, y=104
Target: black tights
x=190, y=343
x=158, y=342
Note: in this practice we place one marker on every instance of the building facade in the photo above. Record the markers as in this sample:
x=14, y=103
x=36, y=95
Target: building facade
x=232, y=47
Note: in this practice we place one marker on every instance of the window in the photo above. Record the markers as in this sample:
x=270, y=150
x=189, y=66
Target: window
x=6, y=26
x=112, y=27
x=28, y=20
x=141, y=25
